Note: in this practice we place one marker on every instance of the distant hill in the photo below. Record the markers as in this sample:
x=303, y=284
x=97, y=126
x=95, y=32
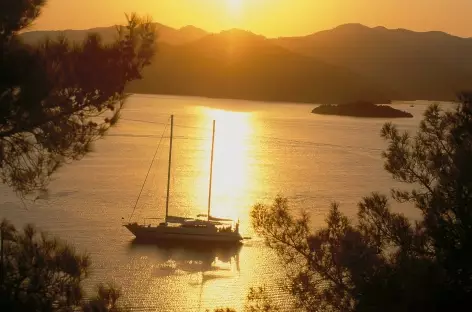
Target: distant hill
x=344, y=64
x=413, y=65
x=240, y=65
x=165, y=34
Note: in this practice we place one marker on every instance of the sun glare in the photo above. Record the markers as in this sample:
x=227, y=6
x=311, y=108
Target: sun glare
x=231, y=169
x=234, y=7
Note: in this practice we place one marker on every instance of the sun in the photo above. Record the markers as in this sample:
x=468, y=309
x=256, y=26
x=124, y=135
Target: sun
x=234, y=6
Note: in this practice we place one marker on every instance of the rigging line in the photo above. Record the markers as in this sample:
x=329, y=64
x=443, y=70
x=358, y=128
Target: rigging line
x=300, y=142
x=152, y=162
x=204, y=128
x=154, y=179
x=279, y=140
x=161, y=123
x=144, y=121
x=193, y=127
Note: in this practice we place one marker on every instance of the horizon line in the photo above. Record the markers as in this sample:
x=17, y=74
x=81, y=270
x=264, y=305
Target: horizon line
x=252, y=32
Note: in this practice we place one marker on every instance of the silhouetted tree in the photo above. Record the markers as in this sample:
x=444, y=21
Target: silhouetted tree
x=384, y=261
x=55, y=100
x=106, y=300
x=58, y=97
x=41, y=273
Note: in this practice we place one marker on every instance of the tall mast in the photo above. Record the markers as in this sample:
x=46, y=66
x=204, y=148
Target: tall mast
x=170, y=163
x=211, y=168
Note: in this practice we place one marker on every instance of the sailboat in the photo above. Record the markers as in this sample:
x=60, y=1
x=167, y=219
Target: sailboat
x=204, y=228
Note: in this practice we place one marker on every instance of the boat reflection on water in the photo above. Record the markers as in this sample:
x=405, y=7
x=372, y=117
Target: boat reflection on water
x=192, y=257
x=202, y=267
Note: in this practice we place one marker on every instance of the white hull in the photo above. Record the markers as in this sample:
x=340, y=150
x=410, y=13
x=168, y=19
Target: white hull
x=171, y=233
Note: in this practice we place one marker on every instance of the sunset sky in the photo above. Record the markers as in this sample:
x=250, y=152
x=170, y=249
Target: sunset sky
x=267, y=17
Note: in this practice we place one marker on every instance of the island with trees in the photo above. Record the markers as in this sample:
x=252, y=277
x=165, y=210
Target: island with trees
x=361, y=109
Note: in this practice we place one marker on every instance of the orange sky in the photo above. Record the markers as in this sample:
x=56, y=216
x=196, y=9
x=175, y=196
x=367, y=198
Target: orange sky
x=268, y=17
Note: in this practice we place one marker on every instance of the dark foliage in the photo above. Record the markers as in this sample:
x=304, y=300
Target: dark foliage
x=385, y=262
x=58, y=97
x=42, y=273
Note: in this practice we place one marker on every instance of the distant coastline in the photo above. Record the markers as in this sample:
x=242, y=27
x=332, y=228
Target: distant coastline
x=183, y=97
x=361, y=109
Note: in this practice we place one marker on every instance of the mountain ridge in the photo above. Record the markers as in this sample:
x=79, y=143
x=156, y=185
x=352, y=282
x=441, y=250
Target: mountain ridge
x=164, y=34
x=347, y=63
x=416, y=65
x=268, y=37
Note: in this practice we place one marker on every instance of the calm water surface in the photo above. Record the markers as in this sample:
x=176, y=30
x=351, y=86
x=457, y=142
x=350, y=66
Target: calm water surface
x=261, y=150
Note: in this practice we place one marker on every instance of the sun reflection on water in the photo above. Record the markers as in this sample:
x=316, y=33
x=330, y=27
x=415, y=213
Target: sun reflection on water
x=206, y=279
x=196, y=275
x=232, y=170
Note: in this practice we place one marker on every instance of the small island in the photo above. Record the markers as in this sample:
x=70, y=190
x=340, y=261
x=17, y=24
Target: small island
x=361, y=109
